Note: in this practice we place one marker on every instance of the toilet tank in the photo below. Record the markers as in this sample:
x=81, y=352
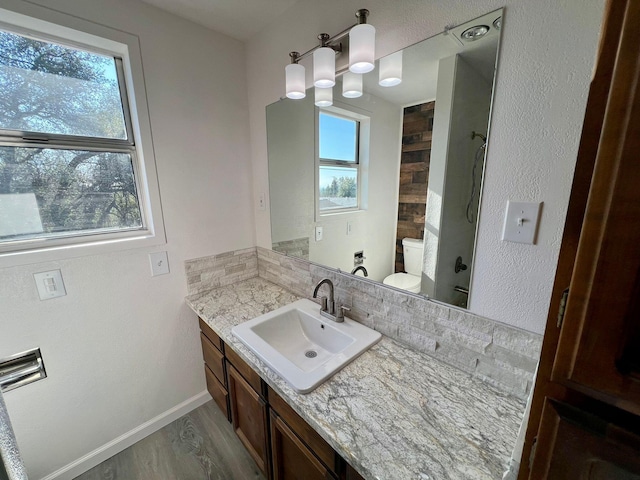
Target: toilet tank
x=412, y=248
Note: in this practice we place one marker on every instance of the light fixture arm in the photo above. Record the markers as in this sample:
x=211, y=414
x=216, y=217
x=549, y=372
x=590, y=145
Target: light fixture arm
x=332, y=42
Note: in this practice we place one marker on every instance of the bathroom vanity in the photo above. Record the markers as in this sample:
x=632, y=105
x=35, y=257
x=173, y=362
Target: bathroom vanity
x=393, y=413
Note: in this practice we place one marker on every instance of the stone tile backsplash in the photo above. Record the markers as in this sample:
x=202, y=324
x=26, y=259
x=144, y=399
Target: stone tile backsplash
x=298, y=247
x=503, y=356
x=218, y=270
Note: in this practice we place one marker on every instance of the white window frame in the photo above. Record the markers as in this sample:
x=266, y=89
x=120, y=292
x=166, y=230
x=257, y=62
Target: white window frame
x=362, y=148
x=29, y=20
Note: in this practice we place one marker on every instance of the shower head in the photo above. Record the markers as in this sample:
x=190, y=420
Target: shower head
x=476, y=134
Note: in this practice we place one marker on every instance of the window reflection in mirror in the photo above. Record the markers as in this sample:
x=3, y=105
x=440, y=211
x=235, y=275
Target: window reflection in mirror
x=339, y=164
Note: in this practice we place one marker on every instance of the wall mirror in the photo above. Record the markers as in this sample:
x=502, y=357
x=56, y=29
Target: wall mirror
x=391, y=180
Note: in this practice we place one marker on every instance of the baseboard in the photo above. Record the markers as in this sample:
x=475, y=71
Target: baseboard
x=108, y=450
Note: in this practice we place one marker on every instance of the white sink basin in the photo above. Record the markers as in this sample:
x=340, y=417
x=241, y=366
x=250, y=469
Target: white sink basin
x=301, y=346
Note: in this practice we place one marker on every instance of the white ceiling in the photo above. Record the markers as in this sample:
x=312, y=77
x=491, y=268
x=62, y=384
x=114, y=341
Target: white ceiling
x=239, y=19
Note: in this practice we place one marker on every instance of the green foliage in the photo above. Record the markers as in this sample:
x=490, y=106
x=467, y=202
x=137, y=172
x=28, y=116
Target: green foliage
x=340, y=187
x=54, y=89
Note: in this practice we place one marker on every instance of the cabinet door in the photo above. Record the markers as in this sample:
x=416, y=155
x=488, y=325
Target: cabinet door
x=249, y=417
x=352, y=474
x=292, y=460
x=303, y=430
x=575, y=444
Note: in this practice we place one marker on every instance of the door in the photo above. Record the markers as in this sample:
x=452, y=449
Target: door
x=585, y=414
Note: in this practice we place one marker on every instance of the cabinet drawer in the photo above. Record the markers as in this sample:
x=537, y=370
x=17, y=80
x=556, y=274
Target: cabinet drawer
x=316, y=443
x=218, y=392
x=211, y=335
x=245, y=370
x=213, y=358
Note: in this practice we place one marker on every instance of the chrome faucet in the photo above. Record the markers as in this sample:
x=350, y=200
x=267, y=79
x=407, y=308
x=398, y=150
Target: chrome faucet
x=360, y=268
x=328, y=308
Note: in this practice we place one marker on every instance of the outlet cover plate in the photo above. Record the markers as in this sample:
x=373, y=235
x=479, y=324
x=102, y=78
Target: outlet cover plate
x=159, y=263
x=50, y=284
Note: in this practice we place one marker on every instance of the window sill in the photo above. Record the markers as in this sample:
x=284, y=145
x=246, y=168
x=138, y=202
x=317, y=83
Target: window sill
x=96, y=247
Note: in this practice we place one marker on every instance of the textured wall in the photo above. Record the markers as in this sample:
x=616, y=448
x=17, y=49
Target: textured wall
x=122, y=347
x=545, y=63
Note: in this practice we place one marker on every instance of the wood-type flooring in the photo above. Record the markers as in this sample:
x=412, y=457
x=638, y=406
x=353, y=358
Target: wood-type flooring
x=200, y=445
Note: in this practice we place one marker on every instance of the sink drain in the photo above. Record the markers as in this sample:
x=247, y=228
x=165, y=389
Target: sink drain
x=311, y=354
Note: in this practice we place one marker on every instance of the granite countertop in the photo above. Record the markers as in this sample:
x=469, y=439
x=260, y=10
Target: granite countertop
x=393, y=413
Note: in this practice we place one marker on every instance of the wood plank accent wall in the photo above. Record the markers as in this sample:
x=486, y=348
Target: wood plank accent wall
x=414, y=174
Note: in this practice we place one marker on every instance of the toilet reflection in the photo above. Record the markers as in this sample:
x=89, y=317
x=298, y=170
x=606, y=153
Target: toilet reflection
x=412, y=250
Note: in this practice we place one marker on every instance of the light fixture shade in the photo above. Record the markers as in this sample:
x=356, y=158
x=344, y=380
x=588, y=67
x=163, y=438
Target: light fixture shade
x=294, y=74
x=324, y=97
x=324, y=67
x=351, y=85
x=391, y=70
x=362, y=41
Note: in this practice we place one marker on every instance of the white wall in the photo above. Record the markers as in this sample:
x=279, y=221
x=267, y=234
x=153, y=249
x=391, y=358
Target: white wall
x=122, y=347
x=546, y=58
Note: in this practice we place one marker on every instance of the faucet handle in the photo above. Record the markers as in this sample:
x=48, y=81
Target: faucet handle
x=341, y=310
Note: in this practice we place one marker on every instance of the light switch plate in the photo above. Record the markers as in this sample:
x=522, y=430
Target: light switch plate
x=159, y=263
x=318, y=234
x=50, y=284
x=521, y=222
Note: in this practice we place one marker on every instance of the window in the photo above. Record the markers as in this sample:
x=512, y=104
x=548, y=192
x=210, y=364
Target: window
x=339, y=165
x=69, y=164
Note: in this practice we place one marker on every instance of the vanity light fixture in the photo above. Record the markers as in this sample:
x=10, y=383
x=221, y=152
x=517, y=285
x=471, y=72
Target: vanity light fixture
x=351, y=85
x=497, y=23
x=474, y=33
x=361, y=59
x=391, y=70
x=362, y=41
x=324, y=97
x=294, y=73
x=324, y=64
